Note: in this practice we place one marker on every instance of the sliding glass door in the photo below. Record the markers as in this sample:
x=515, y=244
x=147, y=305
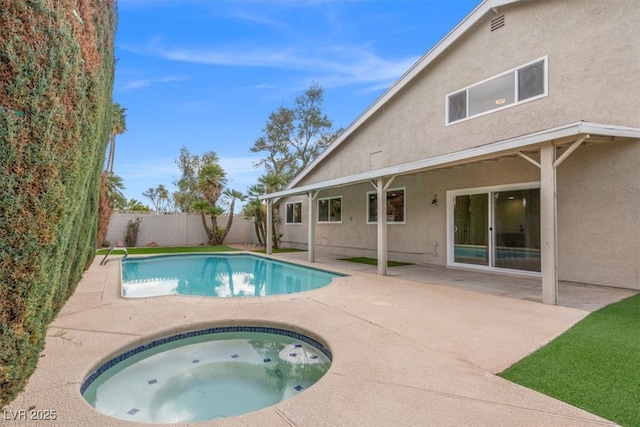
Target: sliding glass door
x=517, y=229
x=471, y=234
x=497, y=227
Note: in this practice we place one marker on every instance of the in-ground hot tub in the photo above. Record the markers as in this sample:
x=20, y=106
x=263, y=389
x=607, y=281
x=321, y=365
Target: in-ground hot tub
x=206, y=374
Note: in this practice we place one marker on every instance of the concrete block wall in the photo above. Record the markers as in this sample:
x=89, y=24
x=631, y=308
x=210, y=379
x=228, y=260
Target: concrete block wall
x=179, y=229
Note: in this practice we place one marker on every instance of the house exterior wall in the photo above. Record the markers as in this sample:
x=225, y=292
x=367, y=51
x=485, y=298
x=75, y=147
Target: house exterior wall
x=593, y=54
x=598, y=214
x=425, y=224
x=593, y=69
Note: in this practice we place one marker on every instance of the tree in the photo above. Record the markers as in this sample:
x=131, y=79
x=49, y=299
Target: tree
x=160, y=198
x=232, y=195
x=134, y=205
x=111, y=187
x=273, y=182
x=118, y=127
x=188, y=186
x=202, y=184
x=255, y=210
x=293, y=137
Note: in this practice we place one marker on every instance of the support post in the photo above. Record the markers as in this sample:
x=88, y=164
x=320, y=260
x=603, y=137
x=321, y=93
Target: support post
x=548, y=225
x=311, y=245
x=269, y=226
x=382, y=227
x=382, y=188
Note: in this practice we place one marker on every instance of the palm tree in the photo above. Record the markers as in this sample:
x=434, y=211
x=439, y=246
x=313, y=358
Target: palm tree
x=110, y=196
x=233, y=195
x=211, y=182
x=134, y=205
x=273, y=182
x=113, y=190
x=118, y=127
x=255, y=211
x=212, y=179
x=160, y=198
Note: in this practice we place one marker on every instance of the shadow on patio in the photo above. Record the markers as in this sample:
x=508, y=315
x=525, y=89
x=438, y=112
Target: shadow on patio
x=576, y=295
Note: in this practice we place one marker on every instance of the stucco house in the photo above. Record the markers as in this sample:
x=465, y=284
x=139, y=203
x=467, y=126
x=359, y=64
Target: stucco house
x=512, y=146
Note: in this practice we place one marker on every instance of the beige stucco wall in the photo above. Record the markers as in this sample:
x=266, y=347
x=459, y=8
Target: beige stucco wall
x=598, y=214
x=425, y=223
x=179, y=229
x=593, y=49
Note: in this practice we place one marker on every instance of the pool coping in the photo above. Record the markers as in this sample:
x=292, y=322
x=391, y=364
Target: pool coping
x=404, y=352
x=220, y=255
x=222, y=329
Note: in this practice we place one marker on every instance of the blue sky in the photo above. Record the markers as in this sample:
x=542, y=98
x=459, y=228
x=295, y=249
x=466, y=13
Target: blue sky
x=206, y=73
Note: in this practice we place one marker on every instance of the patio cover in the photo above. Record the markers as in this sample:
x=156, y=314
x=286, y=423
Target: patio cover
x=553, y=145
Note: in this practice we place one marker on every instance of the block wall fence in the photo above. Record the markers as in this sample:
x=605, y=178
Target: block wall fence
x=177, y=229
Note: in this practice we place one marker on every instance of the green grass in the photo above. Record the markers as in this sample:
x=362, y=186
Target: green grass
x=183, y=249
x=373, y=261
x=279, y=250
x=595, y=365
x=170, y=250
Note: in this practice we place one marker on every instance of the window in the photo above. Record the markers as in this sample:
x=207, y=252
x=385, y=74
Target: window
x=294, y=213
x=395, y=206
x=330, y=209
x=520, y=85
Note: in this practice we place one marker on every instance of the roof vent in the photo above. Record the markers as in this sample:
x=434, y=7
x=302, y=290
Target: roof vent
x=497, y=23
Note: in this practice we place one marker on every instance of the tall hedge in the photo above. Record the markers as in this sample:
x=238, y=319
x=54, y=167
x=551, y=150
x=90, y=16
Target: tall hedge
x=56, y=80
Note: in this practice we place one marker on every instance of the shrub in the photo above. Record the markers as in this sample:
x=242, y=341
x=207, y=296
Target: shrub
x=56, y=79
x=131, y=236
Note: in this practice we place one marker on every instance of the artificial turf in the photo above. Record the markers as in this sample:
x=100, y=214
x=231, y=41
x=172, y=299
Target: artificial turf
x=595, y=365
x=278, y=251
x=185, y=249
x=373, y=261
x=169, y=250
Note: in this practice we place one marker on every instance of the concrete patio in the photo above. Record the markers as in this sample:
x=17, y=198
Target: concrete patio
x=418, y=347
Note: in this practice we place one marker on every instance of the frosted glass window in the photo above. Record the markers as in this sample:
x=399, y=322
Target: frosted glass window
x=507, y=89
x=492, y=94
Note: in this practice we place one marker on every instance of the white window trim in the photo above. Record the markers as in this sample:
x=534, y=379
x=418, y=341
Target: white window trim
x=285, y=213
x=318, y=210
x=451, y=195
x=404, y=208
x=484, y=113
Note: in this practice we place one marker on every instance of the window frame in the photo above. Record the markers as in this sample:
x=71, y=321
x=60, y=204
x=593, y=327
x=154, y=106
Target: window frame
x=375, y=193
x=286, y=213
x=328, y=221
x=517, y=101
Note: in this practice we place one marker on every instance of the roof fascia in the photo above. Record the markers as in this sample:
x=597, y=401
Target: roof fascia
x=477, y=14
x=512, y=145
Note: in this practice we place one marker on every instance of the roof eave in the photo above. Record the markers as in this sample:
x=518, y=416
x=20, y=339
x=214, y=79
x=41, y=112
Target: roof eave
x=471, y=19
x=511, y=145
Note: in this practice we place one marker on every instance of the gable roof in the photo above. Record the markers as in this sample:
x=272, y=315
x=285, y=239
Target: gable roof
x=562, y=135
x=487, y=6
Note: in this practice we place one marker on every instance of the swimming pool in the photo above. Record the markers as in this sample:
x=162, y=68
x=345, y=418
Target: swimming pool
x=217, y=275
x=206, y=374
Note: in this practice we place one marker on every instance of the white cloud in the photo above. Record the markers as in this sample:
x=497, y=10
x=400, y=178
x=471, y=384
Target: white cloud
x=141, y=83
x=336, y=65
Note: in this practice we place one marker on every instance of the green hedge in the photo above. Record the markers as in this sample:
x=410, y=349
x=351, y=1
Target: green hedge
x=56, y=80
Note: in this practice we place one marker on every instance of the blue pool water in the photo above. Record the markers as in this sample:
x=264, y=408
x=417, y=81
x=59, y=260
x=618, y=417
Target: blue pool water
x=206, y=374
x=217, y=275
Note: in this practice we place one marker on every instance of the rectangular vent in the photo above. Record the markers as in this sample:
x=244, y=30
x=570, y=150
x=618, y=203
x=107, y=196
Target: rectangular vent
x=497, y=23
